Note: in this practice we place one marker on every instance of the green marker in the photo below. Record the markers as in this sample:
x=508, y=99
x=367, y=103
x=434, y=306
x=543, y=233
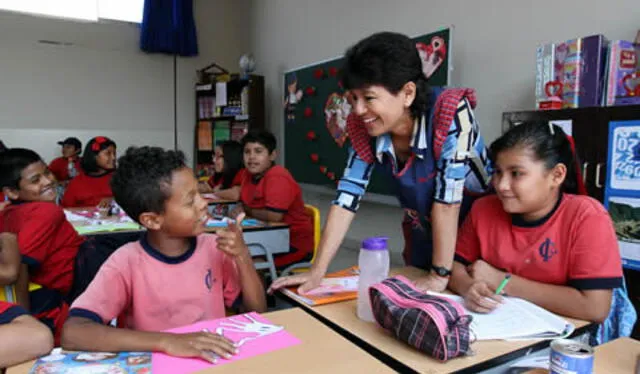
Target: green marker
x=503, y=284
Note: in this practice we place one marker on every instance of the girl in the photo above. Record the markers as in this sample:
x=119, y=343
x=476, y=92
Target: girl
x=426, y=141
x=559, y=249
x=229, y=171
x=92, y=187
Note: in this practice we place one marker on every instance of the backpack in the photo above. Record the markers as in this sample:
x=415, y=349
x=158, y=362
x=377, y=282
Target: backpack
x=434, y=325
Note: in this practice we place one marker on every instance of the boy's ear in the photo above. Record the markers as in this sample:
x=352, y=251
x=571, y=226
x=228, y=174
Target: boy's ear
x=11, y=193
x=558, y=174
x=150, y=220
x=273, y=155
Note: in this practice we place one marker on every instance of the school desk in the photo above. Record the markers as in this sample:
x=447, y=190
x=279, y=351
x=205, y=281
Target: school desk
x=620, y=356
x=400, y=356
x=321, y=351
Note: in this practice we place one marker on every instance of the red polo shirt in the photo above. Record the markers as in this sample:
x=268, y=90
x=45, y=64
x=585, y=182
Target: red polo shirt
x=86, y=190
x=279, y=192
x=60, y=167
x=575, y=245
x=9, y=312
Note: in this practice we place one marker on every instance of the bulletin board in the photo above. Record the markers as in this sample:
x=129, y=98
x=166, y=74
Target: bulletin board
x=316, y=109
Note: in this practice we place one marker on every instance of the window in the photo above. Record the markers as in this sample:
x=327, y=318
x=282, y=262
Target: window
x=121, y=10
x=87, y=10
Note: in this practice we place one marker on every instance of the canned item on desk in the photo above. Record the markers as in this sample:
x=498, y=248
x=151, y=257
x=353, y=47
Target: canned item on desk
x=570, y=357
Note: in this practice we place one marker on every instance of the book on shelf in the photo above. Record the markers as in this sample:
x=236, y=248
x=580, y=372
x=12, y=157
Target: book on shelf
x=335, y=287
x=205, y=141
x=239, y=130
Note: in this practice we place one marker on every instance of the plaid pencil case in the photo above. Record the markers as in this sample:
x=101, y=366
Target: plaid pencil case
x=434, y=325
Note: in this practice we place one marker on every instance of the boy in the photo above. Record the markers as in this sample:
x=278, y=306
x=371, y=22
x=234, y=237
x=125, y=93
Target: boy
x=23, y=337
x=48, y=242
x=269, y=193
x=71, y=148
x=174, y=276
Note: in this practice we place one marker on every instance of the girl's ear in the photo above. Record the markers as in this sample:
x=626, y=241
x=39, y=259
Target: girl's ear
x=558, y=174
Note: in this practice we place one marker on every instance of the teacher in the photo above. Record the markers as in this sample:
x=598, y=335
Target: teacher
x=426, y=140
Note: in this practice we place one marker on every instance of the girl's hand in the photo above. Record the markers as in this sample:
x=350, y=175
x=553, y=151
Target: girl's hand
x=482, y=271
x=432, y=282
x=481, y=298
x=204, y=345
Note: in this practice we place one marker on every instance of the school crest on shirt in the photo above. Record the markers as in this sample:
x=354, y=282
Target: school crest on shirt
x=209, y=280
x=547, y=250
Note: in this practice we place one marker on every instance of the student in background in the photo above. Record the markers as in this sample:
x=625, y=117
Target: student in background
x=269, y=193
x=48, y=242
x=91, y=188
x=67, y=167
x=229, y=171
x=560, y=249
x=174, y=276
x=23, y=337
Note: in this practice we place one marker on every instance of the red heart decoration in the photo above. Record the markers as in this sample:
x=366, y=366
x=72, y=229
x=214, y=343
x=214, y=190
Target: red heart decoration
x=323, y=169
x=314, y=157
x=311, y=135
x=308, y=112
x=553, y=88
x=331, y=176
x=333, y=71
x=318, y=73
x=336, y=111
x=310, y=91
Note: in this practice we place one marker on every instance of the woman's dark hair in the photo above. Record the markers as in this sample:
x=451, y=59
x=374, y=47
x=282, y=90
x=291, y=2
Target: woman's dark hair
x=388, y=59
x=233, y=162
x=95, y=145
x=549, y=144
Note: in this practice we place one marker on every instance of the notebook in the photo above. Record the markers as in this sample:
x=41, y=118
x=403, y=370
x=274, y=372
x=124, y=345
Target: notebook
x=65, y=362
x=338, y=286
x=516, y=319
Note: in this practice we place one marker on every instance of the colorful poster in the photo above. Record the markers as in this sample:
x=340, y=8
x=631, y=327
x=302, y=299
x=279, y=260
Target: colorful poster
x=622, y=191
x=61, y=362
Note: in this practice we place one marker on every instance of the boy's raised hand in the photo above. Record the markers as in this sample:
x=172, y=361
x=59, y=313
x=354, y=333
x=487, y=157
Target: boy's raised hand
x=230, y=239
x=205, y=345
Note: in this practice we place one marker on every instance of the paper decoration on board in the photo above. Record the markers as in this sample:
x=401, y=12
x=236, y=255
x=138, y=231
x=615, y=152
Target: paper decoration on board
x=622, y=189
x=310, y=91
x=314, y=157
x=432, y=55
x=336, y=111
x=292, y=97
x=253, y=335
x=318, y=73
x=311, y=135
x=308, y=112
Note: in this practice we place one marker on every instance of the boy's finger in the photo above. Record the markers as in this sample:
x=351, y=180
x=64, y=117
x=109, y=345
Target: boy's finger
x=237, y=225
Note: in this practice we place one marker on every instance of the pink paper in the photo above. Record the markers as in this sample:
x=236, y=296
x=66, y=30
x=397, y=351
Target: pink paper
x=171, y=365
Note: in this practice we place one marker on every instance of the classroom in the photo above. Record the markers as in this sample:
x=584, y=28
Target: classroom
x=319, y=186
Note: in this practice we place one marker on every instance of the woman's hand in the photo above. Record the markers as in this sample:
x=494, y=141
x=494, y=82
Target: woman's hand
x=307, y=281
x=432, y=282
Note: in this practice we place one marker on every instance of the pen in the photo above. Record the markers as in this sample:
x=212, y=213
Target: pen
x=503, y=284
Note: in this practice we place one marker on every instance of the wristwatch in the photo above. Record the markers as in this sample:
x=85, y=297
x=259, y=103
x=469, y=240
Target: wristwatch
x=441, y=271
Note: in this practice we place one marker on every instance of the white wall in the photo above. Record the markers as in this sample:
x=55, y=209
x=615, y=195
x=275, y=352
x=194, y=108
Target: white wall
x=494, y=45
x=103, y=84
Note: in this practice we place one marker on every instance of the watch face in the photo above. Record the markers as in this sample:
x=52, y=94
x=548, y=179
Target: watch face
x=441, y=271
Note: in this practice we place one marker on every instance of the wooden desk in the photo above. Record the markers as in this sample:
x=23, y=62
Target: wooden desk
x=321, y=351
x=342, y=317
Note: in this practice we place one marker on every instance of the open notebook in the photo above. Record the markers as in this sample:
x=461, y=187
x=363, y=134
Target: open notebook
x=338, y=286
x=516, y=319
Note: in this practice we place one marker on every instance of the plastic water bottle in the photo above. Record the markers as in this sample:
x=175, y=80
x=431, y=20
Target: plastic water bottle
x=374, y=268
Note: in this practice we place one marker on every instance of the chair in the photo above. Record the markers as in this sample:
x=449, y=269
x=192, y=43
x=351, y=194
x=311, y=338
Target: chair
x=8, y=293
x=314, y=214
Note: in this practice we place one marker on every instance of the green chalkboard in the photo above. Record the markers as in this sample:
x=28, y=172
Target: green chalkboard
x=315, y=112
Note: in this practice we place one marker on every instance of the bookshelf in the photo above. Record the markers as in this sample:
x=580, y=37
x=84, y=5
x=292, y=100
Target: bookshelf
x=225, y=110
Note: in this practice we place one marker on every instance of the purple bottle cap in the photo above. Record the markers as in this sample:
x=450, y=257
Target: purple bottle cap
x=376, y=243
